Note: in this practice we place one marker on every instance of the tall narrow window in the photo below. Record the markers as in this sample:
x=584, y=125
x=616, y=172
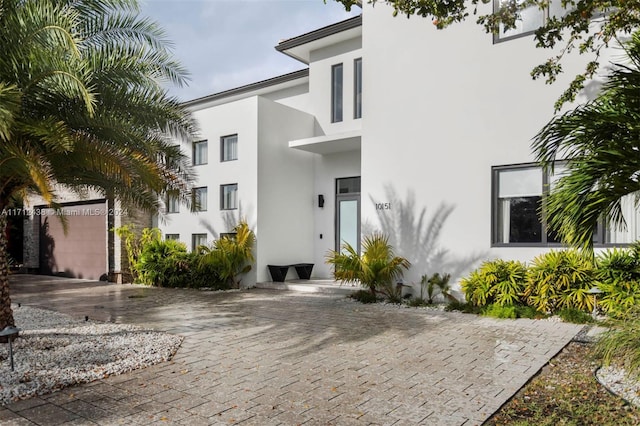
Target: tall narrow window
x=198, y=240
x=229, y=148
x=173, y=204
x=357, y=88
x=336, y=93
x=229, y=196
x=200, y=199
x=200, y=154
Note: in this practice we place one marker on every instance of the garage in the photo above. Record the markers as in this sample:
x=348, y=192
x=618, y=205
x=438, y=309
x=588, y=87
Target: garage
x=82, y=252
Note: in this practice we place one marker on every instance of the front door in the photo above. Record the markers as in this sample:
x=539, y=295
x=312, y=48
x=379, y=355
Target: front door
x=348, y=212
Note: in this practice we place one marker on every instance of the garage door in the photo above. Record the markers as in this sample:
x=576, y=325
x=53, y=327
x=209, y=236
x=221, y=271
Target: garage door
x=82, y=252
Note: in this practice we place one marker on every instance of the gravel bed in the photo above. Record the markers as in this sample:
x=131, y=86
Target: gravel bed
x=55, y=351
x=618, y=382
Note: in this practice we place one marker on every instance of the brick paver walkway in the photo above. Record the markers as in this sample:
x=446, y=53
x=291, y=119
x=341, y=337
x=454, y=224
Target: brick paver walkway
x=262, y=357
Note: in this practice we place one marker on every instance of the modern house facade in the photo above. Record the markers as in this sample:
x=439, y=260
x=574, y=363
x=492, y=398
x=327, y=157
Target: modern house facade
x=393, y=126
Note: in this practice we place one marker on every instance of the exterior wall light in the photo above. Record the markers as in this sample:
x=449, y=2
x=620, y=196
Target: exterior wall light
x=321, y=201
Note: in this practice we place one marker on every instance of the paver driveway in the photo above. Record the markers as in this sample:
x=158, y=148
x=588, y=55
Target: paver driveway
x=266, y=357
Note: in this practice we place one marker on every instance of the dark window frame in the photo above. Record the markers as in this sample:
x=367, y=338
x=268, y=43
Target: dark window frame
x=193, y=240
x=193, y=152
x=196, y=207
x=222, y=197
x=223, y=139
x=337, y=93
x=357, y=88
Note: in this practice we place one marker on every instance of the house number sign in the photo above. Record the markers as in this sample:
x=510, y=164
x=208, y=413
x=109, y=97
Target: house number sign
x=383, y=206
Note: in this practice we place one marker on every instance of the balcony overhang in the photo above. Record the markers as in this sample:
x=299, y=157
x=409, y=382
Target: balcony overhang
x=329, y=144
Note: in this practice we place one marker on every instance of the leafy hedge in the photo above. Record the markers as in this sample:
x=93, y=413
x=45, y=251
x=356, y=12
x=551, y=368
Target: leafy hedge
x=166, y=263
x=558, y=281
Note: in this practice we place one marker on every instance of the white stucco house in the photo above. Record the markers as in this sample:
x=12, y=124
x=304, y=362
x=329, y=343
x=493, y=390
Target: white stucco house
x=391, y=125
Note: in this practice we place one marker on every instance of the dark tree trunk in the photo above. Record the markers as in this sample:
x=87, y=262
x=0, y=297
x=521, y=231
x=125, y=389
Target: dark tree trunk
x=6, y=313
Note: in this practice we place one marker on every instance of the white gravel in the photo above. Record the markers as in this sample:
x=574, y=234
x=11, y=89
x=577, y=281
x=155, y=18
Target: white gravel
x=55, y=351
x=618, y=382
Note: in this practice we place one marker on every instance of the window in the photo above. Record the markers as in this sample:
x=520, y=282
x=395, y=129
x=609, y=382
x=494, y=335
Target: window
x=229, y=196
x=336, y=93
x=172, y=237
x=200, y=153
x=518, y=192
x=200, y=199
x=357, y=88
x=198, y=240
x=348, y=185
x=229, y=148
x=173, y=204
x=529, y=19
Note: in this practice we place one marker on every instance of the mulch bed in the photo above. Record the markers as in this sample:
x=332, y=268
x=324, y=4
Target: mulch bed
x=566, y=392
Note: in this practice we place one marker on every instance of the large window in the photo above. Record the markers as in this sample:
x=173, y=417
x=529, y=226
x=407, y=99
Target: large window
x=198, y=240
x=173, y=204
x=200, y=199
x=229, y=196
x=357, y=88
x=336, y=93
x=517, y=218
x=229, y=148
x=529, y=19
x=200, y=153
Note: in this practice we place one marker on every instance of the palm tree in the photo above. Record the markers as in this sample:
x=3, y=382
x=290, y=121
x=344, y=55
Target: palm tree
x=601, y=143
x=81, y=105
x=376, y=269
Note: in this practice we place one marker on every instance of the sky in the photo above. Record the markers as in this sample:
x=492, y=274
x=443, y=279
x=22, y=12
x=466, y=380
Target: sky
x=229, y=43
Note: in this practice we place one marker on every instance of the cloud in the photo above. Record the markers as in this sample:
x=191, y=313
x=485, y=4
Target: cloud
x=229, y=43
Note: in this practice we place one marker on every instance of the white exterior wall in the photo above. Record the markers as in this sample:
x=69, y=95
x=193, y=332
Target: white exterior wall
x=239, y=118
x=440, y=109
x=285, y=196
x=322, y=60
x=328, y=168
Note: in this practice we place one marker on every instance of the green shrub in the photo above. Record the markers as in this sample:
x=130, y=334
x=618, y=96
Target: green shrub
x=378, y=268
x=466, y=307
x=162, y=263
x=417, y=301
x=619, y=279
x=363, y=296
x=499, y=311
x=434, y=285
x=560, y=279
x=134, y=242
x=525, y=311
x=498, y=282
x=621, y=343
x=230, y=257
x=575, y=316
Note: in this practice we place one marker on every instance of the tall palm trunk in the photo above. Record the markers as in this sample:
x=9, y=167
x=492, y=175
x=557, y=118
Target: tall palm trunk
x=6, y=313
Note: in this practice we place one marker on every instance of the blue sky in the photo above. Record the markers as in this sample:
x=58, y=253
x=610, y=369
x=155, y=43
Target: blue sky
x=229, y=43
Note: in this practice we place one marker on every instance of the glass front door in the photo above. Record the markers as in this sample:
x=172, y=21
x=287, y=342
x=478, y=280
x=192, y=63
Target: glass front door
x=348, y=213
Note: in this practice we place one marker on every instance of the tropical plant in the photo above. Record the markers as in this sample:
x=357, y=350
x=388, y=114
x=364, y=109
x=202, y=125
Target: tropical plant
x=162, y=263
x=230, y=256
x=618, y=275
x=560, y=279
x=377, y=269
x=600, y=141
x=82, y=106
x=432, y=286
x=134, y=242
x=498, y=282
x=619, y=344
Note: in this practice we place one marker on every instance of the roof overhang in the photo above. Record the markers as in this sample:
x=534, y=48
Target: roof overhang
x=330, y=144
x=300, y=47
